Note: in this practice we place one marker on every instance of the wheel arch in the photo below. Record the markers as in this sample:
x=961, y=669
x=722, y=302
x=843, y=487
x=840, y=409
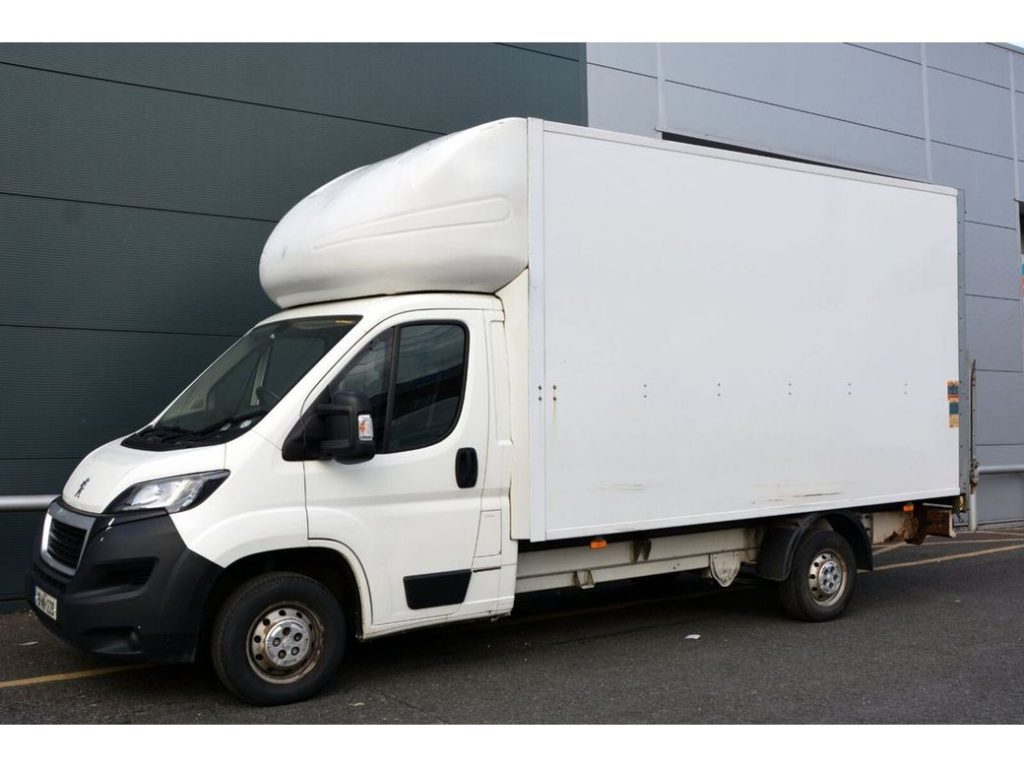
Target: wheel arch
x=775, y=558
x=332, y=568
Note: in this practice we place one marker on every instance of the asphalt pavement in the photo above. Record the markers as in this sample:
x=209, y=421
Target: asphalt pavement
x=934, y=635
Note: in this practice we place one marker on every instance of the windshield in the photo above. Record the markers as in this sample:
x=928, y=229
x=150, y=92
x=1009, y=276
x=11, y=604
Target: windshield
x=244, y=384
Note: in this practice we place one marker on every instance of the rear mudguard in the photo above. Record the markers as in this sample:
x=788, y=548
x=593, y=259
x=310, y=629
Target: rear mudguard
x=782, y=538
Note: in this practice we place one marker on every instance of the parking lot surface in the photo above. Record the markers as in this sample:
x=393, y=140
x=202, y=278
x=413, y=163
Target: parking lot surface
x=934, y=635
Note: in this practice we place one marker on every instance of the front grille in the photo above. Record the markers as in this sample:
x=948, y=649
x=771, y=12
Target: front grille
x=65, y=543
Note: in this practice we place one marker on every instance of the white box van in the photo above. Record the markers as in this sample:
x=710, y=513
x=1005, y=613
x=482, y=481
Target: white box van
x=527, y=356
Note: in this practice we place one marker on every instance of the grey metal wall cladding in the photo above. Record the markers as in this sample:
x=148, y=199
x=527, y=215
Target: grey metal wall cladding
x=698, y=112
x=432, y=87
x=999, y=498
x=1000, y=419
x=72, y=137
x=77, y=265
x=886, y=93
x=1018, y=97
x=138, y=184
x=994, y=333
x=33, y=475
x=16, y=530
x=572, y=51
x=67, y=391
x=970, y=114
x=641, y=58
x=986, y=179
x=983, y=62
x=1000, y=455
x=994, y=263
x=635, y=110
x=908, y=51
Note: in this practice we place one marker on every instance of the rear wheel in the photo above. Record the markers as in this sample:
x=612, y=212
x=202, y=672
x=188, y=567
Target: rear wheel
x=278, y=638
x=821, y=579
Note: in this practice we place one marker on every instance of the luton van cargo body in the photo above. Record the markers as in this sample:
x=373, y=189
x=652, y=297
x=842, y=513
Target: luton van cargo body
x=705, y=336
x=524, y=356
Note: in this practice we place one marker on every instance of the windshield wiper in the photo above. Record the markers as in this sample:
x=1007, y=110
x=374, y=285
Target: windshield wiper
x=162, y=432
x=252, y=413
x=166, y=433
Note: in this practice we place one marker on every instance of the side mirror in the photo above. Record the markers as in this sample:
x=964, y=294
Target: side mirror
x=347, y=427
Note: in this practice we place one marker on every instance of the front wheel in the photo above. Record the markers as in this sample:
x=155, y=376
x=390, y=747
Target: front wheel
x=278, y=639
x=821, y=578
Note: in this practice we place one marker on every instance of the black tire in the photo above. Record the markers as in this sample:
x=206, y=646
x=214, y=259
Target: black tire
x=821, y=579
x=272, y=621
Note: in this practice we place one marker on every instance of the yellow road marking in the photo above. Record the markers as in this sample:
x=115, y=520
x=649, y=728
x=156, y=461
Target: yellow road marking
x=950, y=557
x=69, y=676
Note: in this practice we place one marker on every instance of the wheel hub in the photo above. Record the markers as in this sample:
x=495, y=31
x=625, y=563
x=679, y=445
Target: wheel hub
x=826, y=577
x=283, y=642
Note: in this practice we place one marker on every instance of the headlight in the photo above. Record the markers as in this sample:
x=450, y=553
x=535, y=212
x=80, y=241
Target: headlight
x=171, y=494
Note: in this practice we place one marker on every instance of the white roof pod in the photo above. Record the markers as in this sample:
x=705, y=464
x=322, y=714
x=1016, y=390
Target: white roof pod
x=448, y=215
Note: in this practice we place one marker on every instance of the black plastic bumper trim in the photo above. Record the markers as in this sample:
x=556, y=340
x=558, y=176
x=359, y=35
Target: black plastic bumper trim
x=138, y=591
x=430, y=590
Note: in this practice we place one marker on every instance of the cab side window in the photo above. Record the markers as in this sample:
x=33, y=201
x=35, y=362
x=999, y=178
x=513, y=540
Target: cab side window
x=428, y=385
x=414, y=377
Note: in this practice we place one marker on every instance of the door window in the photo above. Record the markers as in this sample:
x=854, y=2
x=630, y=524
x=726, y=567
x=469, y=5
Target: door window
x=428, y=385
x=414, y=377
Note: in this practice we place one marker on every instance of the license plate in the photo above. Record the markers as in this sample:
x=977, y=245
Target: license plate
x=46, y=603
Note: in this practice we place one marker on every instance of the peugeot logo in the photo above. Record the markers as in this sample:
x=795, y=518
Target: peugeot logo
x=82, y=487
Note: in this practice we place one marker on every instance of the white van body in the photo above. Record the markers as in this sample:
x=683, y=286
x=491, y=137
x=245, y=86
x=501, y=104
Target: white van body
x=674, y=358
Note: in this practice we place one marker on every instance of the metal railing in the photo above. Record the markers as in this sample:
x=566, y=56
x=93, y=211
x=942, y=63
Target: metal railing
x=35, y=503
x=1001, y=469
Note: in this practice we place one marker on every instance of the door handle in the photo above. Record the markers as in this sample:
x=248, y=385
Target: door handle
x=466, y=467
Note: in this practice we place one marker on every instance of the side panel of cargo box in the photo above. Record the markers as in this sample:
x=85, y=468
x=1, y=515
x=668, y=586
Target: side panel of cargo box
x=716, y=337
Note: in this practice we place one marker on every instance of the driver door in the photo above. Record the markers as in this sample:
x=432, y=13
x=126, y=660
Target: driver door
x=411, y=513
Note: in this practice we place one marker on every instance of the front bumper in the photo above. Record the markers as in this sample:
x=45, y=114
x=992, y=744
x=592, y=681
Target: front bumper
x=137, y=592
